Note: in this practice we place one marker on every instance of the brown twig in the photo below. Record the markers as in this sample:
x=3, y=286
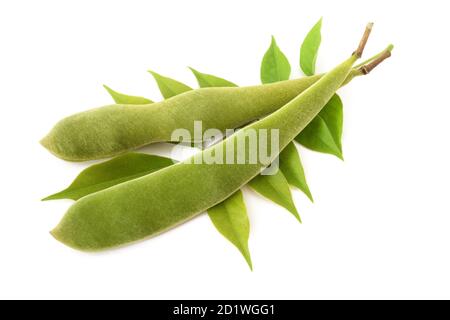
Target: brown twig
x=370, y=66
x=363, y=41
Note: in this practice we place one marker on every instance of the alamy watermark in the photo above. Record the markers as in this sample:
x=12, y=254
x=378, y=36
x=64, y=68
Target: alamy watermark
x=247, y=146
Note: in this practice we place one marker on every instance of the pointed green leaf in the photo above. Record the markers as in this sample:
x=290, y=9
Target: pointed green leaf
x=276, y=188
x=121, y=98
x=206, y=80
x=310, y=49
x=292, y=168
x=274, y=66
x=169, y=87
x=324, y=133
x=231, y=220
x=107, y=174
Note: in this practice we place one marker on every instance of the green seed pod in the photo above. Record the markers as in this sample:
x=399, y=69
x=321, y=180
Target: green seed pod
x=114, y=129
x=149, y=205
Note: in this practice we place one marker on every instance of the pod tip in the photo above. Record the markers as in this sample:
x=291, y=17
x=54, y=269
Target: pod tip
x=45, y=142
x=54, y=234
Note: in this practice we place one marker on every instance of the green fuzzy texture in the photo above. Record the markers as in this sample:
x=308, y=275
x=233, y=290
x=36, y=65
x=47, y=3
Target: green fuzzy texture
x=152, y=204
x=111, y=130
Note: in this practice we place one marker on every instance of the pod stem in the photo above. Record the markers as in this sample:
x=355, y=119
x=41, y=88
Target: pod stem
x=389, y=48
x=366, y=69
x=362, y=44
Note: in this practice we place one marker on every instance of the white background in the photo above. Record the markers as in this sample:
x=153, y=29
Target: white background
x=380, y=225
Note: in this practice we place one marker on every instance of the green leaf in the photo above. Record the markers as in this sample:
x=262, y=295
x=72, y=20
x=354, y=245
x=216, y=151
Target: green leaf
x=107, y=174
x=208, y=80
x=274, y=66
x=310, y=49
x=324, y=133
x=169, y=87
x=292, y=168
x=121, y=98
x=276, y=188
x=231, y=220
